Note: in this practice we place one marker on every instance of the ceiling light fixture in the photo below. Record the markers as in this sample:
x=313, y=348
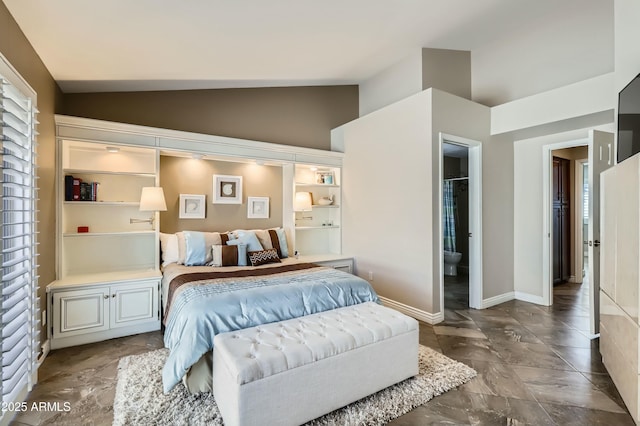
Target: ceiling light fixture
x=113, y=149
x=197, y=156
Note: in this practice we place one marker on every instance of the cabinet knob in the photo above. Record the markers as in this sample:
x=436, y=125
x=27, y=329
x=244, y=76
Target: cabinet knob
x=113, y=295
x=106, y=296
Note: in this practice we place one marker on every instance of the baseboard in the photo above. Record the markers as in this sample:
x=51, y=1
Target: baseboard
x=526, y=297
x=416, y=313
x=496, y=300
x=46, y=347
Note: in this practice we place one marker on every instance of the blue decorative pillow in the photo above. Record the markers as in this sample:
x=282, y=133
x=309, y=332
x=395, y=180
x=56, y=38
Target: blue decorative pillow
x=196, y=248
x=279, y=242
x=282, y=239
x=250, y=239
x=242, y=251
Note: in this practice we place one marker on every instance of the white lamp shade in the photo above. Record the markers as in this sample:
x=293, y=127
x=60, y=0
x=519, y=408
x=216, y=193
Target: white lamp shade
x=152, y=199
x=302, y=202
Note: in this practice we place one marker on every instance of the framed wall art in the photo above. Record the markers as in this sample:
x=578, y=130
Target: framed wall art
x=192, y=206
x=227, y=189
x=258, y=207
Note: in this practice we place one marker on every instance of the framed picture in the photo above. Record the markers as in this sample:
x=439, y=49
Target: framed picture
x=325, y=178
x=258, y=208
x=227, y=189
x=191, y=206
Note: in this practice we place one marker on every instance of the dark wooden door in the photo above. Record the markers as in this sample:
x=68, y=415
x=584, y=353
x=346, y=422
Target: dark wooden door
x=561, y=193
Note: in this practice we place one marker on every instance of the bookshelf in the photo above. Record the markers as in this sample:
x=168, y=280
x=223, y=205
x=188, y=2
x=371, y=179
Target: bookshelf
x=107, y=268
x=317, y=230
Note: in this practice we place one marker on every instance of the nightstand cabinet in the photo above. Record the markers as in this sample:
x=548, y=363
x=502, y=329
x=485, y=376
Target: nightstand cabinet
x=90, y=309
x=336, y=261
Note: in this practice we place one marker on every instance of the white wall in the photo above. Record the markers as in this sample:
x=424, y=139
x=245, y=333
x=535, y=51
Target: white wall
x=627, y=48
x=386, y=199
x=579, y=99
x=573, y=44
x=529, y=209
x=497, y=216
x=460, y=117
x=390, y=192
x=392, y=84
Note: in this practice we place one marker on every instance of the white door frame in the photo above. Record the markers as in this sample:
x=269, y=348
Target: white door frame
x=580, y=237
x=475, y=217
x=547, y=216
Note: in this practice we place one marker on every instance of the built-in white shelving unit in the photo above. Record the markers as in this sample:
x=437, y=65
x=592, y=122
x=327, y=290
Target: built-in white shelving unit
x=107, y=268
x=108, y=278
x=317, y=231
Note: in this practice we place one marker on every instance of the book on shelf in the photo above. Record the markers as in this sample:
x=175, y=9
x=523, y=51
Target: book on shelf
x=77, y=190
x=68, y=188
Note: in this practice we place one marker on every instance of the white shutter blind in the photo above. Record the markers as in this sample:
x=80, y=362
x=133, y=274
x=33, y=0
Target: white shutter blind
x=19, y=338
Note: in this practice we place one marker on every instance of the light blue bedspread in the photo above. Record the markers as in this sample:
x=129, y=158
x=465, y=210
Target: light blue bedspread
x=203, y=309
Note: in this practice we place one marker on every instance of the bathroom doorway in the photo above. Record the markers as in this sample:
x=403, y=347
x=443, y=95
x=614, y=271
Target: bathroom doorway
x=460, y=186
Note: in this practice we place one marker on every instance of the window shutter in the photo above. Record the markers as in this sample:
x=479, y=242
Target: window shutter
x=19, y=337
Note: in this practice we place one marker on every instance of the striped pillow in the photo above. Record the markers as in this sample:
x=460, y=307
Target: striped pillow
x=263, y=257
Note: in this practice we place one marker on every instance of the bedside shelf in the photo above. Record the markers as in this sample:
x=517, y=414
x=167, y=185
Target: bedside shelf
x=103, y=203
x=107, y=234
x=306, y=228
x=102, y=172
x=317, y=185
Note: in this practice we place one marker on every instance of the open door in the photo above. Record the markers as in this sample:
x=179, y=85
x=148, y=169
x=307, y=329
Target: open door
x=600, y=159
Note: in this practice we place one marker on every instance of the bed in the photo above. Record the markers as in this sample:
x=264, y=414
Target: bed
x=202, y=301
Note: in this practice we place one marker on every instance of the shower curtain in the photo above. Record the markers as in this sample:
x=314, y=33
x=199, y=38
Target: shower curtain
x=448, y=217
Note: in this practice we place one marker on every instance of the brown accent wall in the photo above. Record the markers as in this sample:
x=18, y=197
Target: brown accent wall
x=189, y=176
x=19, y=52
x=447, y=70
x=300, y=116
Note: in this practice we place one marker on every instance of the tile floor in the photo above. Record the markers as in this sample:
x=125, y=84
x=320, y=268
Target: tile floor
x=535, y=366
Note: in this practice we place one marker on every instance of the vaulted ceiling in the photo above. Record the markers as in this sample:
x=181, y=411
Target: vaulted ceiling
x=115, y=45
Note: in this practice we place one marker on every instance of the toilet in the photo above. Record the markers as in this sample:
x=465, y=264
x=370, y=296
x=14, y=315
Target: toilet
x=451, y=260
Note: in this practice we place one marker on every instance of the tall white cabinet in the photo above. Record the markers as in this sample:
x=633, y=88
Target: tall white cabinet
x=107, y=268
x=620, y=279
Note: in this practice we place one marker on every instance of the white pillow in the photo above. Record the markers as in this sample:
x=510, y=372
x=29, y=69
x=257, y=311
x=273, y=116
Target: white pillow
x=169, y=245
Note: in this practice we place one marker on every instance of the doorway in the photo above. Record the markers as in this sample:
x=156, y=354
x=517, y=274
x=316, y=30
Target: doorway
x=599, y=148
x=461, y=222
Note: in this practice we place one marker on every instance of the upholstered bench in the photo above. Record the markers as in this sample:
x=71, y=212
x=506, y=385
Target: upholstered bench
x=290, y=372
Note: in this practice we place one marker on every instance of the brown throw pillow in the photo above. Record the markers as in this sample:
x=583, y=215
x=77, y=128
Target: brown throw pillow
x=263, y=257
x=224, y=255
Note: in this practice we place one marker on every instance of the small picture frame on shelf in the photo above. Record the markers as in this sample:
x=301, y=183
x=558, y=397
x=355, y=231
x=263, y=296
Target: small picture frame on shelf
x=326, y=177
x=227, y=189
x=192, y=206
x=258, y=207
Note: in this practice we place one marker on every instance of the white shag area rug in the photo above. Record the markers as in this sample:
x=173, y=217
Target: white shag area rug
x=139, y=398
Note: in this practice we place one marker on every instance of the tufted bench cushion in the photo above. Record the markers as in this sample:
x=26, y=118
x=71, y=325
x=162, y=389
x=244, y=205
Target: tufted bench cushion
x=293, y=371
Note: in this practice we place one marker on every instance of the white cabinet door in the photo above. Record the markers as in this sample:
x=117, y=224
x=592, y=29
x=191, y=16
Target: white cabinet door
x=80, y=311
x=134, y=303
x=345, y=265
